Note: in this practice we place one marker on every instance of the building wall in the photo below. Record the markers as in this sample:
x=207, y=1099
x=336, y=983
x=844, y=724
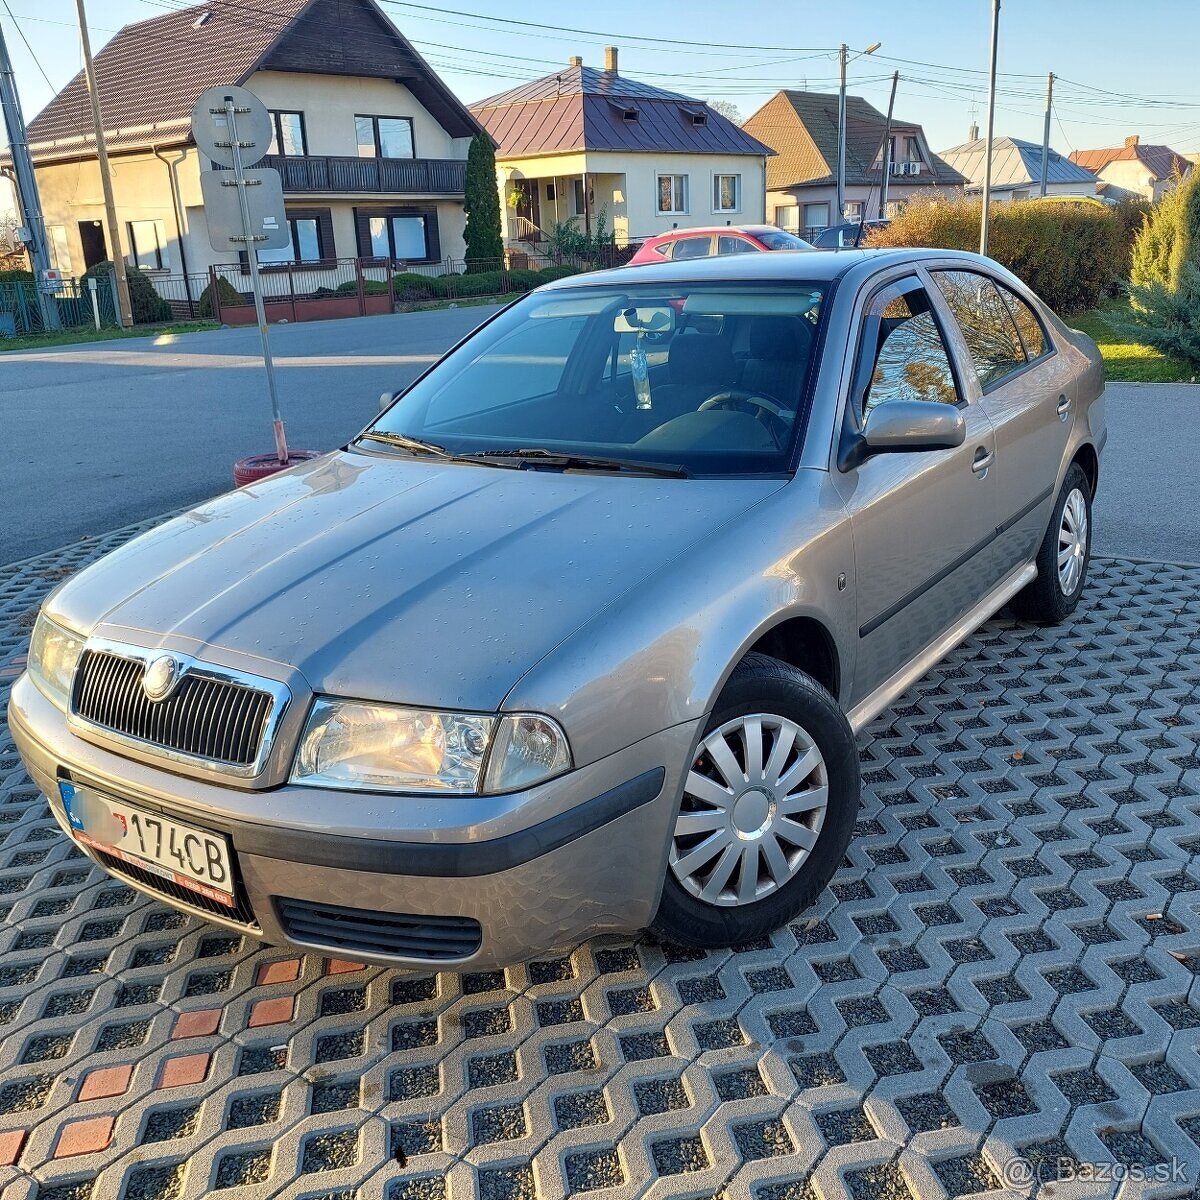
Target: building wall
x=626, y=186
x=899, y=193
x=331, y=102
x=1134, y=178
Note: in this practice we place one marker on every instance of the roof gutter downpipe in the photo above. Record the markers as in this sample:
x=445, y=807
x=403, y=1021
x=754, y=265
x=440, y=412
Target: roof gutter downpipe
x=177, y=207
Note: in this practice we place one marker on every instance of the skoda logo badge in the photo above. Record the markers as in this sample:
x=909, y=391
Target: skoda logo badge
x=160, y=677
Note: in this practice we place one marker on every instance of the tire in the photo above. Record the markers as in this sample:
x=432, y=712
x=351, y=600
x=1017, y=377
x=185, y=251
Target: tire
x=796, y=716
x=1054, y=595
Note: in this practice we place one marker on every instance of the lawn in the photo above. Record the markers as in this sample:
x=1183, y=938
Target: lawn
x=1125, y=359
x=69, y=337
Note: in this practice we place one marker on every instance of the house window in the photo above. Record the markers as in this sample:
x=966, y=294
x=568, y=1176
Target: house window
x=384, y=137
x=147, y=244
x=287, y=134
x=60, y=248
x=727, y=193
x=550, y=190
x=1020, y=194
x=816, y=216
x=399, y=237
x=310, y=236
x=853, y=210
x=787, y=216
x=672, y=194
x=582, y=205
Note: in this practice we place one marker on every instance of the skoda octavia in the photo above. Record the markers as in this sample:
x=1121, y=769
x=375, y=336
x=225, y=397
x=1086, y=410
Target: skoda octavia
x=577, y=635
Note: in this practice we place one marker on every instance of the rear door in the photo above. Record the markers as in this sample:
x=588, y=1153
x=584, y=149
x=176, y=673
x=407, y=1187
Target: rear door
x=732, y=243
x=923, y=522
x=1027, y=390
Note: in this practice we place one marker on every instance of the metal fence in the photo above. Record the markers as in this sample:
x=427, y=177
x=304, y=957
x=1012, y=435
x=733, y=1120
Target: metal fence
x=24, y=310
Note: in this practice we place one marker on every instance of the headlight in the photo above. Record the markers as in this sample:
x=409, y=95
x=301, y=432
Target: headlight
x=384, y=747
x=53, y=655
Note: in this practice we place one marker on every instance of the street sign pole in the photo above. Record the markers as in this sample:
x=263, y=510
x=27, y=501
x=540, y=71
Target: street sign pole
x=251, y=239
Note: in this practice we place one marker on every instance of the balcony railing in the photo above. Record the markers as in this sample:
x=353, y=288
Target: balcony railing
x=406, y=176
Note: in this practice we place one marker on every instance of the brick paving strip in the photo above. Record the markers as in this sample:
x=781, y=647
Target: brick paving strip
x=1005, y=969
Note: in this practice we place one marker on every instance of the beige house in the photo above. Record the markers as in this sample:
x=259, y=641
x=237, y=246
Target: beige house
x=1136, y=169
x=802, y=129
x=582, y=143
x=370, y=143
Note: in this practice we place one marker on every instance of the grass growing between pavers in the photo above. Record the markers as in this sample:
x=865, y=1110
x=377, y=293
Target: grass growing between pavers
x=71, y=337
x=1125, y=359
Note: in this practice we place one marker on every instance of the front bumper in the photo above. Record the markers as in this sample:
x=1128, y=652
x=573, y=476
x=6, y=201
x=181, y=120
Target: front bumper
x=537, y=870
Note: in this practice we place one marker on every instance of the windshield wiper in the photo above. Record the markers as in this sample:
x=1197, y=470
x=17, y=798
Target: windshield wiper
x=404, y=442
x=536, y=455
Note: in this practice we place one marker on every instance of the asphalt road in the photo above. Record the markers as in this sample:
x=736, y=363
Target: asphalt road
x=101, y=435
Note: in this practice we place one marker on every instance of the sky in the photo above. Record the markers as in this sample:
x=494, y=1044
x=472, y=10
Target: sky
x=1118, y=72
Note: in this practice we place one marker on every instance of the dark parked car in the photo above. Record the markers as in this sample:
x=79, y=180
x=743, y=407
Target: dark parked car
x=852, y=233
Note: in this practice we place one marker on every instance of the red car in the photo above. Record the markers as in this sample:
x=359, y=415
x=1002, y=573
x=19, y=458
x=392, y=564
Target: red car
x=721, y=239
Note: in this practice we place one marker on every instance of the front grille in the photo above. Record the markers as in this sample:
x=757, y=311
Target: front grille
x=358, y=929
x=241, y=911
x=205, y=717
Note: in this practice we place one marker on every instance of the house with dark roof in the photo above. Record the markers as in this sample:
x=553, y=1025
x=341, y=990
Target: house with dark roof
x=1135, y=169
x=802, y=129
x=586, y=146
x=370, y=143
x=1017, y=169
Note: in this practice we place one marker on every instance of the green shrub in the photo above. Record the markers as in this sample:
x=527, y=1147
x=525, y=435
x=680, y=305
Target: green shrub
x=410, y=285
x=371, y=287
x=147, y=305
x=225, y=290
x=1164, y=282
x=481, y=203
x=16, y=276
x=1067, y=253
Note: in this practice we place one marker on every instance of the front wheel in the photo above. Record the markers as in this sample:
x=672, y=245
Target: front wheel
x=1063, y=557
x=768, y=808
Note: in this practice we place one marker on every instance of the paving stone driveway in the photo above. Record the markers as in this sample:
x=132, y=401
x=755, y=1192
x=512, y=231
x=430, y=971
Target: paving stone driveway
x=1004, y=973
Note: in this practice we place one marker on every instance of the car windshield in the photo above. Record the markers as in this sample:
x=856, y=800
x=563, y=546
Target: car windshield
x=666, y=378
x=779, y=239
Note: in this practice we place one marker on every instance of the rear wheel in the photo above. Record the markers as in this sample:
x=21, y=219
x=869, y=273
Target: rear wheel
x=1063, y=558
x=768, y=808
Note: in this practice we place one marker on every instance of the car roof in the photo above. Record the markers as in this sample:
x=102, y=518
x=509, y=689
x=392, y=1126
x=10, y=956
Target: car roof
x=784, y=266
x=711, y=229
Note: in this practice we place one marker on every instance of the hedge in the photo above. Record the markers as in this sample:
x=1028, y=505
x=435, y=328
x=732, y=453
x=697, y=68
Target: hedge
x=1068, y=253
x=147, y=305
x=227, y=292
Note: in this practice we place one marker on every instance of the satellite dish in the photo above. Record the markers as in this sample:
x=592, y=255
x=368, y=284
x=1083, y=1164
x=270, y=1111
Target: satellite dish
x=210, y=125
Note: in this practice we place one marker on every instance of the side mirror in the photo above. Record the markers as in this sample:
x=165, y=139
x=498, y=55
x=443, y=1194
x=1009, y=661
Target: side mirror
x=386, y=399
x=905, y=426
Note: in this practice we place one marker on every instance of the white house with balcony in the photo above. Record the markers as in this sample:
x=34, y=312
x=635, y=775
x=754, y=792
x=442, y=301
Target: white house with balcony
x=583, y=144
x=370, y=143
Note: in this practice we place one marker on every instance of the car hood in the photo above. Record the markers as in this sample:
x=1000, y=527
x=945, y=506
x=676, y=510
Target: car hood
x=396, y=579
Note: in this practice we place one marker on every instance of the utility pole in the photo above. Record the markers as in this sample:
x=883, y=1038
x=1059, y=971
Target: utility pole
x=840, y=200
x=110, y=205
x=991, y=131
x=1046, y=133
x=887, y=149
x=28, y=201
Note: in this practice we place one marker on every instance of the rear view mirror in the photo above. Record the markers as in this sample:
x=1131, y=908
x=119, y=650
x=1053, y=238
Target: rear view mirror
x=656, y=318
x=905, y=426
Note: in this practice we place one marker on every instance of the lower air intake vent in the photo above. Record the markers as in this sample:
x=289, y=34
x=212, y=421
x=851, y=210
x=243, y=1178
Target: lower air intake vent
x=432, y=938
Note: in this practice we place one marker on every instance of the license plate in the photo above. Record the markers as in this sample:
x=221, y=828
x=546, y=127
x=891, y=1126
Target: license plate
x=190, y=857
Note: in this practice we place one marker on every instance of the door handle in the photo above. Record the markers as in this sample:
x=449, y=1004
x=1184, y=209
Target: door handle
x=1064, y=407
x=983, y=459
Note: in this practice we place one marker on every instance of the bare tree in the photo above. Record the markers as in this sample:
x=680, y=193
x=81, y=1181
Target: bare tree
x=727, y=109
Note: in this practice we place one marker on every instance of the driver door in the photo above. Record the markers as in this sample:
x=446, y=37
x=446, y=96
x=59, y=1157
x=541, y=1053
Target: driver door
x=923, y=521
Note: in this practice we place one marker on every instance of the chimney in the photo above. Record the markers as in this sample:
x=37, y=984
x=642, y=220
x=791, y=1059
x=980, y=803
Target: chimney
x=973, y=133
x=610, y=59
x=574, y=61
x=1132, y=140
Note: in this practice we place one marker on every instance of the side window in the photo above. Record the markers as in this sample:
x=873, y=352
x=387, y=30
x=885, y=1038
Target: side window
x=729, y=244
x=1028, y=325
x=904, y=356
x=986, y=323
x=692, y=247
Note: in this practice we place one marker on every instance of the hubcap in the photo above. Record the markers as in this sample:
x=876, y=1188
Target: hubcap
x=1072, y=542
x=753, y=807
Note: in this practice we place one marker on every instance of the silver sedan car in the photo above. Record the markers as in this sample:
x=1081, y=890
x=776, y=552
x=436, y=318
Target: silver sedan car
x=577, y=635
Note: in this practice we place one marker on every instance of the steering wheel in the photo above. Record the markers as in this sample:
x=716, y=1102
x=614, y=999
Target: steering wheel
x=774, y=416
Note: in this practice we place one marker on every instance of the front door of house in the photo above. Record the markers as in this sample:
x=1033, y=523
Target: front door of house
x=95, y=249
x=528, y=210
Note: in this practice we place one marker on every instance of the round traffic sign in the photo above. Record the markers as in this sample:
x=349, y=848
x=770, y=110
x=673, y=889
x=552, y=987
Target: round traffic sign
x=211, y=129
